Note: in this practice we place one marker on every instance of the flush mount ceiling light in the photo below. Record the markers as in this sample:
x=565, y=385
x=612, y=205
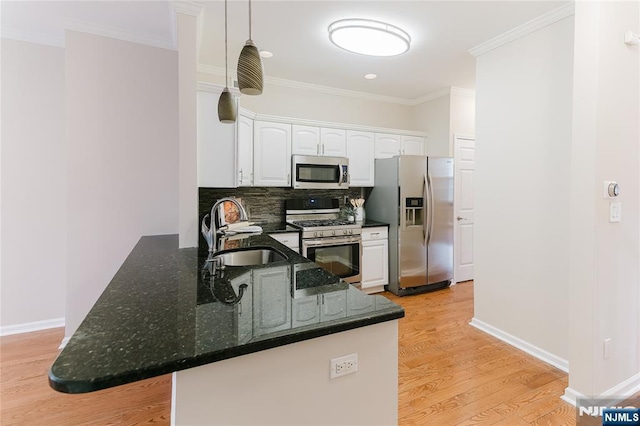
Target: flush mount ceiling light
x=370, y=76
x=368, y=37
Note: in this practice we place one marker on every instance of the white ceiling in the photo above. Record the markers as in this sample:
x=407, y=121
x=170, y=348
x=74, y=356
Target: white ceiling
x=442, y=32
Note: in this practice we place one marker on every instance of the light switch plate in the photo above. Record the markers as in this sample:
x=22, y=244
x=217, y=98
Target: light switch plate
x=615, y=211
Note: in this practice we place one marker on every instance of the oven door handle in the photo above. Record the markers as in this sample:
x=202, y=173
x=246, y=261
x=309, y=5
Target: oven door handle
x=329, y=240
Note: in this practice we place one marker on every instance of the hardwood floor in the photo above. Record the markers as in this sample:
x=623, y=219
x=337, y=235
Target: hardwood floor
x=449, y=373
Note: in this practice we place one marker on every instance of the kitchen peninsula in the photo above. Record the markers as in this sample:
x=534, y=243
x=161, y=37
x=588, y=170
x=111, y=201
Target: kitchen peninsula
x=246, y=345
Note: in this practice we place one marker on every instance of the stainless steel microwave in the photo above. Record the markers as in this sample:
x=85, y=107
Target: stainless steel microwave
x=316, y=172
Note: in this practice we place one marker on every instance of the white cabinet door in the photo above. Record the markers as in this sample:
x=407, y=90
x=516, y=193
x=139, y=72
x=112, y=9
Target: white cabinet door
x=289, y=239
x=245, y=151
x=306, y=310
x=271, y=300
x=333, y=142
x=387, y=145
x=244, y=308
x=305, y=140
x=334, y=305
x=413, y=145
x=216, y=145
x=375, y=259
x=360, y=150
x=271, y=154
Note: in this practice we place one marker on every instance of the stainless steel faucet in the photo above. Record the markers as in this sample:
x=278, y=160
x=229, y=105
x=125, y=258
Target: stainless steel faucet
x=211, y=233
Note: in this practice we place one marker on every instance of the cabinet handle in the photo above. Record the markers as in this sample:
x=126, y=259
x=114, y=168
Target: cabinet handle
x=288, y=178
x=240, y=177
x=318, y=149
x=322, y=149
x=375, y=233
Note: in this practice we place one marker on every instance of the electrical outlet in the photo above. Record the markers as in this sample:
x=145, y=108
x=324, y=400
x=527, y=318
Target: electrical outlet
x=343, y=365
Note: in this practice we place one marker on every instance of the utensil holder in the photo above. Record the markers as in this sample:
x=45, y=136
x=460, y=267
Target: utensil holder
x=359, y=214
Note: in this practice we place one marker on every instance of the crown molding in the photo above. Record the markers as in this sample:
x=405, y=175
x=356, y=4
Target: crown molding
x=220, y=72
x=528, y=27
x=117, y=33
x=216, y=88
x=191, y=8
x=31, y=37
x=431, y=96
x=463, y=92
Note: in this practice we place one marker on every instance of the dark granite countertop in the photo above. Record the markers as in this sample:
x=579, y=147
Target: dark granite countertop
x=167, y=309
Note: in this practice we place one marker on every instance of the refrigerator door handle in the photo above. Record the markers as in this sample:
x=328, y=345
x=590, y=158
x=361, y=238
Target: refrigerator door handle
x=431, y=208
x=425, y=196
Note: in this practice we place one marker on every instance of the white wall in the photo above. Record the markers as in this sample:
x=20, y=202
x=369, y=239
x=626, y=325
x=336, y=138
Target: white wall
x=433, y=117
x=523, y=141
x=34, y=158
x=122, y=132
x=604, y=280
x=308, y=104
x=462, y=116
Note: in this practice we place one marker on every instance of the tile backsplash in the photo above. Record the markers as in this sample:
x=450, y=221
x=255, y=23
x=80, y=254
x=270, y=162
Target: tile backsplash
x=267, y=204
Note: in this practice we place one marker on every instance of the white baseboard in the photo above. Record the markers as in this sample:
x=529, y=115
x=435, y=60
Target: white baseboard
x=29, y=327
x=571, y=396
x=527, y=347
x=621, y=391
x=64, y=342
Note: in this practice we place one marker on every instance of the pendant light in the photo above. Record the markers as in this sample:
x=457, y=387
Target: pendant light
x=226, y=103
x=250, y=71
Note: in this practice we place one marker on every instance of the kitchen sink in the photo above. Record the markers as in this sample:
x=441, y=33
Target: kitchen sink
x=248, y=257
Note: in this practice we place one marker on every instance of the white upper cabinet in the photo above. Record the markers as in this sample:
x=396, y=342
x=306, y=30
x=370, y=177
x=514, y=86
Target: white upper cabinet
x=216, y=141
x=245, y=151
x=360, y=150
x=413, y=145
x=333, y=142
x=271, y=154
x=305, y=140
x=310, y=140
x=387, y=145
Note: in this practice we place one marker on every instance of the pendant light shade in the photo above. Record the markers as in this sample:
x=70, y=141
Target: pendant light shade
x=250, y=70
x=226, y=103
x=226, y=107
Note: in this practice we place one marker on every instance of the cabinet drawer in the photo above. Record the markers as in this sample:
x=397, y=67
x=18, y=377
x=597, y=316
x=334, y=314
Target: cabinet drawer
x=378, y=233
x=289, y=239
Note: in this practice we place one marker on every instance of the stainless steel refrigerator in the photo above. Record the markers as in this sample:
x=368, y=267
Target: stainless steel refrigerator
x=414, y=194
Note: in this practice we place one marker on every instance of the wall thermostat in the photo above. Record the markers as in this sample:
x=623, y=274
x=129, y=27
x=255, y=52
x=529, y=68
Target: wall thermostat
x=611, y=189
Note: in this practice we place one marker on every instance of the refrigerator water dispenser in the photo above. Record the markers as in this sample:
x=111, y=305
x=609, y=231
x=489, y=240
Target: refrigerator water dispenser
x=414, y=211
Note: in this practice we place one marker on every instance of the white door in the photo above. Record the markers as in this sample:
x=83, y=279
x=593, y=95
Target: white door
x=463, y=208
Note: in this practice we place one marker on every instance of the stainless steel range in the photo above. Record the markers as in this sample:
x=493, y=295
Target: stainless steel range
x=330, y=241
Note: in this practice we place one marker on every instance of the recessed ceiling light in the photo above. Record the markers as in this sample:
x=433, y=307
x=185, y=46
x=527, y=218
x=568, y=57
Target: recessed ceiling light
x=266, y=54
x=370, y=76
x=368, y=37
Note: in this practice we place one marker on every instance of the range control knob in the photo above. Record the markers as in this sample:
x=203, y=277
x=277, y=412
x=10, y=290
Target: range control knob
x=333, y=232
x=345, y=232
x=321, y=234
x=315, y=234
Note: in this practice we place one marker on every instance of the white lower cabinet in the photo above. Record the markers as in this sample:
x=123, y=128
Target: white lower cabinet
x=244, y=308
x=272, y=300
x=289, y=239
x=333, y=305
x=375, y=259
x=306, y=310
